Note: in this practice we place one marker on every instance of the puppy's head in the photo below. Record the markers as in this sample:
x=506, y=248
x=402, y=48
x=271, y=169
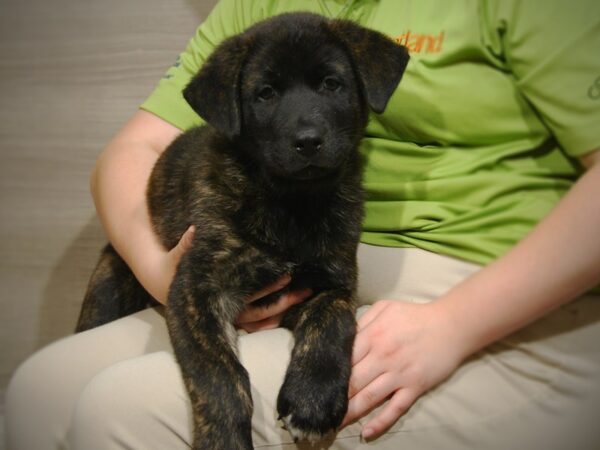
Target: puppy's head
x=294, y=92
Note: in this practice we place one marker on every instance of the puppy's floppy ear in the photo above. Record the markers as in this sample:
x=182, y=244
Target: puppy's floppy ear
x=380, y=62
x=214, y=93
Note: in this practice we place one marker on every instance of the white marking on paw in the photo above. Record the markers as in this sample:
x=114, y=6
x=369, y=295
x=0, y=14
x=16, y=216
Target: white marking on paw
x=299, y=434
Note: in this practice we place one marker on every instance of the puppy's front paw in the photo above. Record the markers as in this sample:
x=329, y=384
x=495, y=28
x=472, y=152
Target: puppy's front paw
x=310, y=406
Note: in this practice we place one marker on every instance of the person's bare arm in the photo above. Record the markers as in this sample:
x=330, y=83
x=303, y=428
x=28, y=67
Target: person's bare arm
x=118, y=186
x=556, y=262
x=402, y=350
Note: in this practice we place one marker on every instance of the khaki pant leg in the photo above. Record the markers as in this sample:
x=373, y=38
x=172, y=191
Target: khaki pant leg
x=44, y=390
x=537, y=389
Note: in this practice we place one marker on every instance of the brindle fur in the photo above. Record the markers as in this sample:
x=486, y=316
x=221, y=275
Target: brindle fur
x=258, y=216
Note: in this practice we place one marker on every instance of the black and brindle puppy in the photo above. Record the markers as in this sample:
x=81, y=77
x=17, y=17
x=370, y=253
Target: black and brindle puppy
x=273, y=185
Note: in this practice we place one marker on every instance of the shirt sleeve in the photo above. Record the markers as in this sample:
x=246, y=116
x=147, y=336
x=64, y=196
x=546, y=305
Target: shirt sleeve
x=229, y=17
x=552, y=49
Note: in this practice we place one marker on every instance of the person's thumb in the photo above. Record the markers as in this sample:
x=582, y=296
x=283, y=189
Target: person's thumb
x=185, y=243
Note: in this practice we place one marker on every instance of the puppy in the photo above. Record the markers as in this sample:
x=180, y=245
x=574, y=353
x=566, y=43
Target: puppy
x=273, y=185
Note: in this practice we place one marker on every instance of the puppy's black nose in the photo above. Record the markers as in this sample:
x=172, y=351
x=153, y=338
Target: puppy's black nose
x=308, y=141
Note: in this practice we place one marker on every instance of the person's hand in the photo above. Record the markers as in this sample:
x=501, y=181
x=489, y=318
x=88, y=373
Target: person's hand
x=401, y=351
x=252, y=318
x=160, y=274
x=263, y=318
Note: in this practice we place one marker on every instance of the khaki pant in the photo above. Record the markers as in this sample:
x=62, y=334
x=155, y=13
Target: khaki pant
x=119, y=387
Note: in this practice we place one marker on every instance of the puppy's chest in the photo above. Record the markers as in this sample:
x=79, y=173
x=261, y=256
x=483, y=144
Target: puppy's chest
x=296, y=232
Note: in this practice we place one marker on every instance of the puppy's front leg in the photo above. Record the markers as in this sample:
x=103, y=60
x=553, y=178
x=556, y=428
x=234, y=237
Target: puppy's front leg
x=314, y=397
x=203, y=338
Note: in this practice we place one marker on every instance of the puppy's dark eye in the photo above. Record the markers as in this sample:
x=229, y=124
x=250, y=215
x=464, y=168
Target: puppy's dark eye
x=331, y=84
x=266, y=93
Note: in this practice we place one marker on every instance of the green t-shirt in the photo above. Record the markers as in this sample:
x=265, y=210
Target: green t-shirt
x=480, y=139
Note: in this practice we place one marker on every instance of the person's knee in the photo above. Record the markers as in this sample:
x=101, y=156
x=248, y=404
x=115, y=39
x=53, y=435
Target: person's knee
x=18, y=400
x=133, y=404
x=25, y=378
x=98, y=410
x=36, y=384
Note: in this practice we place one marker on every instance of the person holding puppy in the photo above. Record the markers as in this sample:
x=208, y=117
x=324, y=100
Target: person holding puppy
x=479, y=321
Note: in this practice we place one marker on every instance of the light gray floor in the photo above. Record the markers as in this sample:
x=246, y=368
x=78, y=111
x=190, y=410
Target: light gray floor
x=71, y=72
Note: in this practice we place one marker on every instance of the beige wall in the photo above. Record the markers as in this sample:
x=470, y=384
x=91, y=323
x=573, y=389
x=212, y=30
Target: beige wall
x=71, y=72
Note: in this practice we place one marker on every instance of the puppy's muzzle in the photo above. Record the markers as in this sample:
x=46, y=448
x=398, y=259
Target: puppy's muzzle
x=308, y=142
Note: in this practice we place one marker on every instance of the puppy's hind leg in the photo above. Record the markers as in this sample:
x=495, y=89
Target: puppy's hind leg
x=113, y=292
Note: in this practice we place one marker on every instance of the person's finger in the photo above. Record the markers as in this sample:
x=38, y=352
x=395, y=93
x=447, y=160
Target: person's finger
x=370, y=314
x=266, y=324
x=185, y=243
x=281, y=305
x=361, y=348
x=362, y=342
x=363, y=374
x=400, y=402
x=282, y=282
x=369, y=397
